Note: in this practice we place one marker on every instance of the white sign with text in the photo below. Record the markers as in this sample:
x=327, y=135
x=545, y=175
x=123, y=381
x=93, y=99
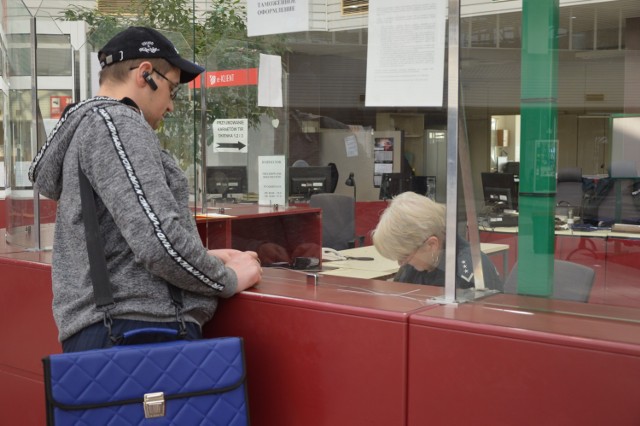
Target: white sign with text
x=277, y=16
x=230, y=135
x=271, y=180
x=405, y=54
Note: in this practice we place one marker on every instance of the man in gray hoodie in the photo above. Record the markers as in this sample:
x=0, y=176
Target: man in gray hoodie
x=149, y=233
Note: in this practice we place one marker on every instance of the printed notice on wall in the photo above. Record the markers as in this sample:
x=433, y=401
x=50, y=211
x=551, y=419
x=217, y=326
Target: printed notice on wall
x=277, y=16
x=271, y=180
x=405, y=65
x=351, y=146
x=230, y=135
x=270, y=81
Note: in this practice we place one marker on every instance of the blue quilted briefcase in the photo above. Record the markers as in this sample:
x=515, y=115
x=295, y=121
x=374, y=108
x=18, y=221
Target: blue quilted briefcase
x=184, y=383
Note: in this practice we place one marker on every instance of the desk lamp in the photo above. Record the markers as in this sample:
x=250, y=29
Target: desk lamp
x=351, y=182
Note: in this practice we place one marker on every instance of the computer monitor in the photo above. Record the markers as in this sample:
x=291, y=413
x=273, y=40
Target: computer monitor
x=393, y=184
x=512, y=167
x=306, y=181
x=424, y=185
x=225, y=181
x=500, y=190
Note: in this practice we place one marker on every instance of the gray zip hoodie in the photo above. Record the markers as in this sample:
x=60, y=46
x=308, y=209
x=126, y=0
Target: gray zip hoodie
x=147, y=227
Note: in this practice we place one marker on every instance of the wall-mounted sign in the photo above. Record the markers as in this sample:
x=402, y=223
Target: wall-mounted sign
x=57, y=104
x=271, y=180
x=277, y=16
x=405, y=53
x=226, y=78
x=230, y=135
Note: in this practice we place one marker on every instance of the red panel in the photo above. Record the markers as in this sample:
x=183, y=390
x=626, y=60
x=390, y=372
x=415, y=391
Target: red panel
x=28, y=334
x=515, y=382
x=27, y=324
x=215, y=233
x=367, y=217
x=506, y=376
x=292, y=231
x=623, y=272
x=3, y=214
x=317, y=367
x=21, y=399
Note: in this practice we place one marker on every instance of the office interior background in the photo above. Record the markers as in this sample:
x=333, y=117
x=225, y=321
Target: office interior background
x=593, y=128
x=574, y=150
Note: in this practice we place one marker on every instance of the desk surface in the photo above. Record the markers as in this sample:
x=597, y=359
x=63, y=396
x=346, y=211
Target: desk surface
x=381, y=267
x=600, y=233
x=239, y=211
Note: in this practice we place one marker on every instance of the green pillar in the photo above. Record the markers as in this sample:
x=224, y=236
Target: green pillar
x=538, y=149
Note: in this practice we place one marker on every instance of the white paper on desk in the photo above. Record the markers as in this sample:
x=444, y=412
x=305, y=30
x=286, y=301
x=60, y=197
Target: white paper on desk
x=213, y=215
x=405, y=54
x=351, y=145
x=270, y=81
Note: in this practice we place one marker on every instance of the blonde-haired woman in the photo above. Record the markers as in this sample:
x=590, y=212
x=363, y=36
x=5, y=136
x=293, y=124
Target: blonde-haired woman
x=412, y=231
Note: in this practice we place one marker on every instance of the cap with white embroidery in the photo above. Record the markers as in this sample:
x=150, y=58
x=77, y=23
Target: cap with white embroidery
x=143, y=42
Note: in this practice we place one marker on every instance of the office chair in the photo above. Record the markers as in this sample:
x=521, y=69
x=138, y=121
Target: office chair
x=571, y=281
x=569, y=193
x=620, y=204
x=338, y=220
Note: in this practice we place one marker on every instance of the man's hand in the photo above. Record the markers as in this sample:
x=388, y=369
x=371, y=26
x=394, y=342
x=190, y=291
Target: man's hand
x=224, y=254
x=247, y=267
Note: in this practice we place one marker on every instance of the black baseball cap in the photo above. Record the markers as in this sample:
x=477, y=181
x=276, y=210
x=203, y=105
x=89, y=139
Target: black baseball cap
x=143, y=43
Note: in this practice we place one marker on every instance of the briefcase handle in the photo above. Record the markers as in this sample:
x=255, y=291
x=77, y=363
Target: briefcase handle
x=148, y=335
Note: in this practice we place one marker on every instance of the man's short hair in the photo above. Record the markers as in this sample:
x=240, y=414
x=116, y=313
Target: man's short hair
x=119, y=71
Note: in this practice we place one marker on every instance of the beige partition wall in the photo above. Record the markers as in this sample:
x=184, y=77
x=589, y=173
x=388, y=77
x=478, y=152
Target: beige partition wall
x=336, y=146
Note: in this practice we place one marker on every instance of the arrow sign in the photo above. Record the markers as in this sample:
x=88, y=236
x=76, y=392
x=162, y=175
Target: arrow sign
x=230, y=135
x=239, y=145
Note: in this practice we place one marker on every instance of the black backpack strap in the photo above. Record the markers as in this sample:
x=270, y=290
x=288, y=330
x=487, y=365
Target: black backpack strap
x=102, y=292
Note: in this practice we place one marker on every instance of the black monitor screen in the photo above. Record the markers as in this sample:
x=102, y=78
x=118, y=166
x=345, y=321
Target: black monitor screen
x=226, y=180
x=306, y=181
x=393, y=184
x=512, y=167
x=500, y=190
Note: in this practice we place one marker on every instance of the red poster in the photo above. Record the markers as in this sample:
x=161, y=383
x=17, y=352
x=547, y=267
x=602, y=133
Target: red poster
x=243, y=77
x=57, y=104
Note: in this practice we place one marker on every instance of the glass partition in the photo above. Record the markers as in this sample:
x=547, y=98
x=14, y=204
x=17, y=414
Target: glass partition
x=21, y=123
x=547, y=119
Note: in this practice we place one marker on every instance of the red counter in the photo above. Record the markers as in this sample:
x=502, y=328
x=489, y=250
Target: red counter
x=331, y=354
x=351, y=352
x=509, y=360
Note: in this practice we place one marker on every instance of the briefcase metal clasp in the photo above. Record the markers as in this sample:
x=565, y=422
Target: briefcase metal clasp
x=153, y=405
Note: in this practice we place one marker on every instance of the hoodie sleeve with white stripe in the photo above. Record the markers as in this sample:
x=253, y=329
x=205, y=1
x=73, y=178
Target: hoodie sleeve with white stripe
x=145, y=221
